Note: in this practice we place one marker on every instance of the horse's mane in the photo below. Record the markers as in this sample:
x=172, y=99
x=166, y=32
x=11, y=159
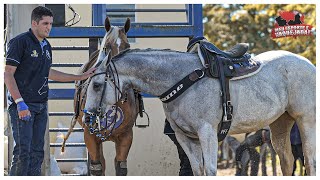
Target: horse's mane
x=128, y=51
x=92, y=60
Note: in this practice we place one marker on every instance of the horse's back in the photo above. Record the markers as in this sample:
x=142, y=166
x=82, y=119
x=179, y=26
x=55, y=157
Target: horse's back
x=298, y=75
x=286, y=58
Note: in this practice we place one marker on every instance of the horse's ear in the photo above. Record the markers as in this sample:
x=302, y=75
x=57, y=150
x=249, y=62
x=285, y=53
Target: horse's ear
x=107, y=24
x=127, y=25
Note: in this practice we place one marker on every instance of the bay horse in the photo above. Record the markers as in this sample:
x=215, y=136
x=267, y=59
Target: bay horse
x=281, y=93
x=114, y=41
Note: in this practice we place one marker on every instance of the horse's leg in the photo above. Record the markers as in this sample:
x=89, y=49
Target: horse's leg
x=244, y=163
x=193, y=150
x=254, y=161
x=225, y=153
x=94, y=153
x=102, y=160
x=280, y=138
x=249, y=144
x=274, y=159
x=122, y=144
x=209, y=145
x=263, y=158
x=306, y=125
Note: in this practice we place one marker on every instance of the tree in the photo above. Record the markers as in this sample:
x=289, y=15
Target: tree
x=226, y=25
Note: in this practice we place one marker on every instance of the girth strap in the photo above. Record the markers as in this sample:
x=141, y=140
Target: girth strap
x=182, y=86
x=227, y=108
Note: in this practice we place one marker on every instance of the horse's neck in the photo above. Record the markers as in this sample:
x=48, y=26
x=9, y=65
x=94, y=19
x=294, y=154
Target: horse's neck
x=156, y=73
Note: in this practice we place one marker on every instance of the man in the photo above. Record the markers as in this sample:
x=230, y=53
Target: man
x=27, y=70
x=296, y=147
x=185, y=167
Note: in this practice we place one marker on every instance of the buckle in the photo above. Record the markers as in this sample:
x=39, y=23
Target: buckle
x=227, y=108
x=202, y=73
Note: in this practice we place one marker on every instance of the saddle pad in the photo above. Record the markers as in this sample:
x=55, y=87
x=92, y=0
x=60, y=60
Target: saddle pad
x=246, y=69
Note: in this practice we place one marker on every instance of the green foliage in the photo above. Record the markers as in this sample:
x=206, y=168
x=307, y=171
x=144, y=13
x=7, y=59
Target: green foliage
x=229, y=24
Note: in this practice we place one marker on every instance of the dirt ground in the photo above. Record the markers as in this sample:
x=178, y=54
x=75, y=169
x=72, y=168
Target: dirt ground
x=232, y=170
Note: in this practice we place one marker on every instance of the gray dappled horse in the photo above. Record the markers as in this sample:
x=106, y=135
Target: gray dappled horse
x=281, y=93
x=114, y=41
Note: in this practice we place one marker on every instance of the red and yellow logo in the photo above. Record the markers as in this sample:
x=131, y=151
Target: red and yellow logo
x=290, y=24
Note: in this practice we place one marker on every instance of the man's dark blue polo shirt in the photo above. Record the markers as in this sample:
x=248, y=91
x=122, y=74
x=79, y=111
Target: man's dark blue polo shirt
x=33, y=60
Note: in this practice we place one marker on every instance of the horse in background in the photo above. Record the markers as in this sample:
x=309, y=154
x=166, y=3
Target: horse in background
x=282, y=92
x=248, y=155
x=262, y=139
x=114, y=41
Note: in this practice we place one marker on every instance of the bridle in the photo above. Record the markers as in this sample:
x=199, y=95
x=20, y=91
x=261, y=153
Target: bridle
x=111, y=76
x=114, y=82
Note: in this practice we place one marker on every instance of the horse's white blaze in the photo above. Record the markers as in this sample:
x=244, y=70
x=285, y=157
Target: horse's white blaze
x=118, y=42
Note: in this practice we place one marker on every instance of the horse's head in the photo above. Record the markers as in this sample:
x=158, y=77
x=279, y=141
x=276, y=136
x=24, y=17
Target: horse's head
x=105, y=88
x=103, y=83
x=115, y=39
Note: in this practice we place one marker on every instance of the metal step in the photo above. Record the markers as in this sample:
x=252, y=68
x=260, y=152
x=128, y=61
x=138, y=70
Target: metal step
x=65, y=130
x=70, y=48
x=68, y=145
x=66, y=65
x=73, y=160
x=61, y=113
x=73, y=174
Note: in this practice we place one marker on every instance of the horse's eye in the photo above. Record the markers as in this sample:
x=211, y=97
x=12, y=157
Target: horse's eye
x=96, y=86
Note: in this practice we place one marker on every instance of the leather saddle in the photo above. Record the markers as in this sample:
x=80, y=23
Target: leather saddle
x=236, y=61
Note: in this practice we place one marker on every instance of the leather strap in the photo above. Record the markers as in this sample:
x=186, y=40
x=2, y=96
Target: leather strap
x=176, y=90
x=227, y=108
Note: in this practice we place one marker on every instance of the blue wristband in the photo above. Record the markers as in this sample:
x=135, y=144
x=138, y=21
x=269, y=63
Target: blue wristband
x=21, y=106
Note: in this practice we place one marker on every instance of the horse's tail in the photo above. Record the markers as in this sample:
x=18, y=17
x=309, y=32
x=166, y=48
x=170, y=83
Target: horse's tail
x=72, y=124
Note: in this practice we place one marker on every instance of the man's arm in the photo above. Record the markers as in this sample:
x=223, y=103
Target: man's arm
x=23, y=110
x=65, y=77
x=11, y=82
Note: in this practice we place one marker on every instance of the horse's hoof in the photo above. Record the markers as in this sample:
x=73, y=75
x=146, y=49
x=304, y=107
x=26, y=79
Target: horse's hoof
x=121, y=168
x=95, y=169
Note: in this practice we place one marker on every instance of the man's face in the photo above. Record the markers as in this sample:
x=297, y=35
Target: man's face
x=43, y=28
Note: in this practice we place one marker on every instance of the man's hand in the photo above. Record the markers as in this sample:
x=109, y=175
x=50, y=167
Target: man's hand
x=23, y=111
x=88, y=73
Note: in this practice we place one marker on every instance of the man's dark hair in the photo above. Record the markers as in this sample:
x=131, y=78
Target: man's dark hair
x=40, y=11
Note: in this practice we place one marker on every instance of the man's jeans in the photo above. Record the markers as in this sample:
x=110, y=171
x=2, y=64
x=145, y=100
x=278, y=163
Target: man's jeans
x=28, y=151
